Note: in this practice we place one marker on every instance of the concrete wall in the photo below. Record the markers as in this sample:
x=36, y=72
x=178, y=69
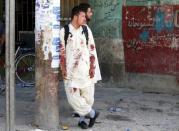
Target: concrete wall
x=107, y=29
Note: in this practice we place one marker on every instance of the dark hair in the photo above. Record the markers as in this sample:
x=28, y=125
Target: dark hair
x=84, y=6
x=76, y=10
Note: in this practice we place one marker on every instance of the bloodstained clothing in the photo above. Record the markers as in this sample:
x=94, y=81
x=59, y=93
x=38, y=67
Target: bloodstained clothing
x=79, y=59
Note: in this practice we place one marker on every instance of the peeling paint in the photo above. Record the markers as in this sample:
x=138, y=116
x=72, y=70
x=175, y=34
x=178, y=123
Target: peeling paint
x=47, y=29
x=175, y=44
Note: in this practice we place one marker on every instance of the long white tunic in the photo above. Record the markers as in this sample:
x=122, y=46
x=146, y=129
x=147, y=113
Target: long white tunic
x=79, y=57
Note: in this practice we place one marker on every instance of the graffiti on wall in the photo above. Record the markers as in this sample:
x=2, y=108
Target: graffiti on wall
x=151, y=39
x=105, y=13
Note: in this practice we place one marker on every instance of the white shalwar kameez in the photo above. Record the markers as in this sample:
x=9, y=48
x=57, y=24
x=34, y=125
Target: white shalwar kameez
x=78, y=55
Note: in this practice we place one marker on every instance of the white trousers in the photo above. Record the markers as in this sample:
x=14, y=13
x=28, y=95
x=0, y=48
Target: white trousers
x=82, y=99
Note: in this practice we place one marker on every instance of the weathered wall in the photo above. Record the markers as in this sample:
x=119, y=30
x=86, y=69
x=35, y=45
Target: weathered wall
x=107, y=29
x=106, y=22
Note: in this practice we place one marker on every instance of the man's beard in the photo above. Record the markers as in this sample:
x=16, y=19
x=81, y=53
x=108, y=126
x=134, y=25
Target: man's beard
x=88, y=19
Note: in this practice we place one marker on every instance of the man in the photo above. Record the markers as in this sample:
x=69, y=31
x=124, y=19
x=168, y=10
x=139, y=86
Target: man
x=80, y=69
x=88, y=11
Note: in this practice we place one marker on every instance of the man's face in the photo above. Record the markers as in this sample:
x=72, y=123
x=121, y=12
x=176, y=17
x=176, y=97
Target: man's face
x=81, y=19
x=89, y=14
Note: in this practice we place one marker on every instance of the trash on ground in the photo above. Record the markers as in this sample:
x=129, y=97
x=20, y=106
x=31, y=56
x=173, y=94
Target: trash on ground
x=114, y=109
x=65, y=127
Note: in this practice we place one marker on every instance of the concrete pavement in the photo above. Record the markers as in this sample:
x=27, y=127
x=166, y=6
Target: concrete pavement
x=121, y=109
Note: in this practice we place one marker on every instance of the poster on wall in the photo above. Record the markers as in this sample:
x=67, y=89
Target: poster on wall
x=47, y=29
x=151, y=39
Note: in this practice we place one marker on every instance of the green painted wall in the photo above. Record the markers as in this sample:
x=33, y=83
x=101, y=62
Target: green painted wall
x=142, y=2
x=150, y=2
x=106, y=21
x=107, y=18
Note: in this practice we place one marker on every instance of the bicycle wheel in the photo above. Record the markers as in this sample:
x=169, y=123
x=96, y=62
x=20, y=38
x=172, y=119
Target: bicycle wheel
x=25, y=68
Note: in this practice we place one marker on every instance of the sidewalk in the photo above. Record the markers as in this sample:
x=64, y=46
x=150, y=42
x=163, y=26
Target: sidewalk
x=122, y=109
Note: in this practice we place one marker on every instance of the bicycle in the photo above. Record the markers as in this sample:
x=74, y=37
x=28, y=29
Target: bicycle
x=24, y=64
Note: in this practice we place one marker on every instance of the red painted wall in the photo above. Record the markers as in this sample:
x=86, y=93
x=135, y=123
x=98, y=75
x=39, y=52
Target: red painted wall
x=151, y=39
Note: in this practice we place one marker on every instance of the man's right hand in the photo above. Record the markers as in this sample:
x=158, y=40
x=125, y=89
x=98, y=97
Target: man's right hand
x=73, y=90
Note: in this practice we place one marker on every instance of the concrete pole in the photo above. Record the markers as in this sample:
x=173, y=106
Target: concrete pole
x=47, y=43
x=10, y=69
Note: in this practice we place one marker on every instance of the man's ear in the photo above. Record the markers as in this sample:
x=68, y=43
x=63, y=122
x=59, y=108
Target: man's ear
x=74, y=17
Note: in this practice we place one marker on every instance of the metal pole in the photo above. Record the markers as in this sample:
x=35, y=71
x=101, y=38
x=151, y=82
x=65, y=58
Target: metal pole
x=7, y=68
x=12, y=65
x=10, y=70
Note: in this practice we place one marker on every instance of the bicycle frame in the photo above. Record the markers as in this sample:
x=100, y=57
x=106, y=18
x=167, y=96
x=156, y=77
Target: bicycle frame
x=25, y=65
